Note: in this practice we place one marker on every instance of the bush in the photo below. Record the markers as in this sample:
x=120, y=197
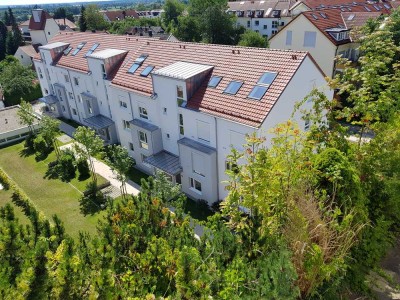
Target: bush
x=4, y=180
x=83, y=169
x=40, y=147
x=29, y=141
x=93, y=200
x=66, y=165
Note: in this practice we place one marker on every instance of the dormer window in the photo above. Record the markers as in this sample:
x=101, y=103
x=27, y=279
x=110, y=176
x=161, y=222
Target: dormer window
x=339, y=34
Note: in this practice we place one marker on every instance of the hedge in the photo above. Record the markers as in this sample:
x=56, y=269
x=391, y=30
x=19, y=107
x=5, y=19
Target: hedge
x=5, y=180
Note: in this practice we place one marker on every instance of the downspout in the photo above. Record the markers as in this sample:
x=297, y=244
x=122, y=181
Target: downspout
x=216, y=146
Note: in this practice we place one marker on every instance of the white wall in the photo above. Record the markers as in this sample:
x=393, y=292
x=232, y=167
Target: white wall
x=23, y=58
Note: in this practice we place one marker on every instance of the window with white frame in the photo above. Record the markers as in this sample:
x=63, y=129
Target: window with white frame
x=131, y=147
x=248, y=24
x=76, y=81
x=310, y=38
x=40, y=73
x=71, y=96
x=181, y=128
x=274, y=24
x=203, y=130
x=274, y=32
x=60, y=95
x=288, y=38
x=80, y=98
x=230, y=166
x=256, y=23
x=179, y=96
x=103, y=70
x=265, y=26
x=74, y=112
x=143, y=157
x=143, y=140
x=126, y=124
x=63, y=108
x=198, y=164
x=66, y=77
x=143, y=113
x=195, y=185
x=123, y=104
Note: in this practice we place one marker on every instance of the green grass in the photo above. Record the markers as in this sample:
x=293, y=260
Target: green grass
x=136, y=175
x=70, y=122
x=51, y=196
x=5, y=197
x=196, y=210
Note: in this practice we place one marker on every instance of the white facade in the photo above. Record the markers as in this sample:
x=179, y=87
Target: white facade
x=267, y=27
x=44, y=36
x=195, y=143
x=24, y=58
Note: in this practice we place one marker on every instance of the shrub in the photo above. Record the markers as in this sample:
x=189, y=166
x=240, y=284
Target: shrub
x=40, y=146
x=93, y=200
x=66, y=165
x=4, y=180
x=29, y=141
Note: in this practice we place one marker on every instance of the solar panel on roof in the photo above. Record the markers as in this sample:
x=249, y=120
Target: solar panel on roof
x=133, y=68
x=214, y=81
x=267, y=78
x=147, y=71
x=258, y=92
x=233, y=87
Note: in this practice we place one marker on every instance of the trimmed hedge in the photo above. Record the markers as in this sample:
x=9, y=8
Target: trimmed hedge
x=5, y=180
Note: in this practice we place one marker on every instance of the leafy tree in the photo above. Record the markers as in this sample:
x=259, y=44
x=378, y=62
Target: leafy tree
x=7, y=20
x=49, y=129
x=3, y=38
x=172, y=10
x=253, y=39
x=82, y=20
x=120, y=163
x=94, y=19
x=187, y=29
x=26, y=115
x=88, y=145
x=16, y=80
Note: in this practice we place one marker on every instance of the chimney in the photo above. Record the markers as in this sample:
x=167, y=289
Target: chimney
x=294, y=56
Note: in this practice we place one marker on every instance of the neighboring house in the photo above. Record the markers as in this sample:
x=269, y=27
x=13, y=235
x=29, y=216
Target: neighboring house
x=325, y=34
x=24, y=27
x=11, y=129
x=42, y=27
x=66, y=25
x=152, y=32
x=25, y=54
x=155, y=13
x=177, y=107
x=116, y=15
x=265, y=17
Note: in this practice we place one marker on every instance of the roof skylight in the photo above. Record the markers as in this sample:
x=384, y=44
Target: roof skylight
x=91, y=50
x=214, y=81
x=67, y=51
x=258, y=92
x=80, y=46
x=147, y=71
x=267, y=78
x=141, y=59
x=233, y=87
x=133, y=68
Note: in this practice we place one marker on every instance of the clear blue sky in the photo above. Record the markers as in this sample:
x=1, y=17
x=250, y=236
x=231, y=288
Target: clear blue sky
x=33, y=2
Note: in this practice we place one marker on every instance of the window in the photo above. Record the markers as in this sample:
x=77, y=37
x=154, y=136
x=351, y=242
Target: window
x=230, y=166
x=274, y=24
x=248, y=24
x=60, y=96
x=22, y=56
x=63, y=108
x=168, y=136
x=76, y=81
x=198, y=165
x=214, y=81
x=203, y=131
x=66, y=77
x=181, y=128
x=74, y=111
x=282, y=23
x=126, y=124
x=48, y=32
x=143, y=113
x=288, y=38
x=265, y=26
x=267, y=78
x=122, y=104
x=257, y=23
x=274, y=32
x=147, y=71
x=258, y=92
x=89, y=106
x=46, y=91
x=133, y=68
x=307, y=122
x=131, y=147
x=144, y=157
x=164, y=110
x=71, y=96
x=40, y=73
x=143, y=140
x=67, y=51
x=103, y=70
x=80, y=98
x=80, y=46
x=91, y=50
x=179, y=91
x=194, y=184
x=309, y=39
x=233, y=87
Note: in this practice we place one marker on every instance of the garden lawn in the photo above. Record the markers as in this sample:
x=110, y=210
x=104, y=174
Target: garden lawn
x=5, y=197
x=51, y=196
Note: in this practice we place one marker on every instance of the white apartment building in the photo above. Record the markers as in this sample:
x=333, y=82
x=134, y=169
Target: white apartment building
x=266, y=17
x=177, y=107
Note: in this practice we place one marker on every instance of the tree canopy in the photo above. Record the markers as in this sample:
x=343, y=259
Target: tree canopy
x=253, y=39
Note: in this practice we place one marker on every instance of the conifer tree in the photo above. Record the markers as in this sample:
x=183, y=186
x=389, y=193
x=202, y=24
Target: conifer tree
x=82, y=20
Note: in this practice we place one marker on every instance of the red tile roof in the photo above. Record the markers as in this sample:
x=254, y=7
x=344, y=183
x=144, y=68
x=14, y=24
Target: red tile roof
x=246, y=64
x=267, y=5
x=116, y=15
x=333, y=18
x=66, y=22
x=42, y=22
x=358, y=19
x=322, y=4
